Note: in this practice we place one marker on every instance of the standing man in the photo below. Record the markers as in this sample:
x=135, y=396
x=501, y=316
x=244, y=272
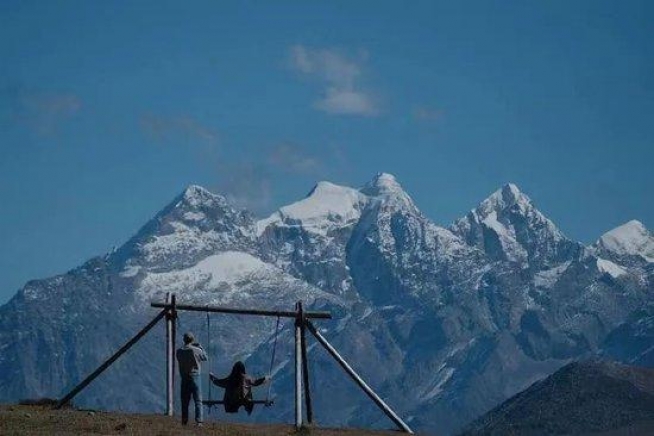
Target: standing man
x=189, y=357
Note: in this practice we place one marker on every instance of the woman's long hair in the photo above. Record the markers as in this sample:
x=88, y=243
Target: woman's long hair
x=238, y=371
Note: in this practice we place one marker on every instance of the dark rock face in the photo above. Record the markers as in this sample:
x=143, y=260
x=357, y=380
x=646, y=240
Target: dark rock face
x=445, y=323
x=632, y=342
x=582, y=397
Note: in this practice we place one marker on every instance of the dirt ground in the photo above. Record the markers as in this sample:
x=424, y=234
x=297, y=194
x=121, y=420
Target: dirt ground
x=39, y=420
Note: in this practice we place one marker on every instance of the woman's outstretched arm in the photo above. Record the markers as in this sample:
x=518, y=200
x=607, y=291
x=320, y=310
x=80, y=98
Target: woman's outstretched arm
x=258, y=381
x=221, y=382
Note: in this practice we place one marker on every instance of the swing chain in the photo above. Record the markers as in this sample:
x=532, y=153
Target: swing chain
x=272, y=363
x=208, y=352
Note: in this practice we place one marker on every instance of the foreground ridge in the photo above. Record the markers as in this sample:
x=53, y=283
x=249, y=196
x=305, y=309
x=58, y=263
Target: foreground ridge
x=29, y=420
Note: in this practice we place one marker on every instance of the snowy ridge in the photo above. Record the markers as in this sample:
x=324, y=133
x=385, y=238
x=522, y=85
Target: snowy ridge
x=608, y=267
x=196, y=196
x=327, y=206
x=385, y=188
x=182, y=239
x=194, y=225
x=631, y=238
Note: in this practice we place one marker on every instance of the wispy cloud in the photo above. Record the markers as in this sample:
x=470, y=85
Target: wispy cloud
x=343, y=92
x=254, y=183
x=181, y=127
x=291, y=158
x=43, y=112
x=250, y=183
x=247, y=184
x=422, y=113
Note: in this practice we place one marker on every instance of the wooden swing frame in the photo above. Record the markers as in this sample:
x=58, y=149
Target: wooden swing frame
x=303, y=318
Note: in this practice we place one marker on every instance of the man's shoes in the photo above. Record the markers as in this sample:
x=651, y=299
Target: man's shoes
x=199, y=424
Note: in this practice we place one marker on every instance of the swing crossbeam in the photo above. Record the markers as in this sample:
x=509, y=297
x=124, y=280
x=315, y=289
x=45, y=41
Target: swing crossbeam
x=238, y=311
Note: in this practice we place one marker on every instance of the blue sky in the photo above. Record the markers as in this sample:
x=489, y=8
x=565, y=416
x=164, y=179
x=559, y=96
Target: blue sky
x=109, y=109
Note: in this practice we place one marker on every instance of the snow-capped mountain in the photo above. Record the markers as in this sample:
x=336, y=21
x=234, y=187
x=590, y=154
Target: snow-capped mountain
x=631, y=243
x=445, y=322
x=508, y=227
x=308, y=238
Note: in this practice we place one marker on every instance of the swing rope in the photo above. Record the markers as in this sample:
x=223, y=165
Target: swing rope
x=268, y=401
x=272, y=363
x=208, y=352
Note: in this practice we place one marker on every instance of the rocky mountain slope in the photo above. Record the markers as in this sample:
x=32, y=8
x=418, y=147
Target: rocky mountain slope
x=588, y=397
x=445, y=322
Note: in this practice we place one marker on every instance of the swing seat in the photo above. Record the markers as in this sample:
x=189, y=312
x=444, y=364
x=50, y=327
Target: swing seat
x=211, y=403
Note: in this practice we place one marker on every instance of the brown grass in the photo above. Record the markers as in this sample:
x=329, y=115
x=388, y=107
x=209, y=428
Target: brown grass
x=40, y=420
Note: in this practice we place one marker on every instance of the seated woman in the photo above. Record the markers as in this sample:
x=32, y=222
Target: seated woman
x=238, y=388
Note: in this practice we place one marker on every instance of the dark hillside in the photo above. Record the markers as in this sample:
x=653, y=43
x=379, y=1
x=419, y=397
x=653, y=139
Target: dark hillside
x=583, y=397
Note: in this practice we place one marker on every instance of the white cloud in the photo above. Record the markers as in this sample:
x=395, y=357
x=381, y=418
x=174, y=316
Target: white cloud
x=342, y=101
x=341, y=78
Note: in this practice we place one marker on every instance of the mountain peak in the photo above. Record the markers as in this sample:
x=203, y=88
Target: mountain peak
x=631, y=238
x=630, y=227
x=385, y=180
x=196, y=193
x=326, y=205
x=508, y=226
x=505, y=197
x=196, y=196
x=383, y=184
x=511, y=190
x=324, y=187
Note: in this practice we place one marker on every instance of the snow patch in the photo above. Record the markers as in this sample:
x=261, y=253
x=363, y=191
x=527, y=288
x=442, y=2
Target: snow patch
x=221, y=269
x=608, y=267
x=548, y=278
x=366, y=313
x=194, y=216
x=513, y=250
x=183, y=240
x=130, y=271
x=443, y=375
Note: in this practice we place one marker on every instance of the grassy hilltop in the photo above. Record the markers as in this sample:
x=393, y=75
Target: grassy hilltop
x=40, y=420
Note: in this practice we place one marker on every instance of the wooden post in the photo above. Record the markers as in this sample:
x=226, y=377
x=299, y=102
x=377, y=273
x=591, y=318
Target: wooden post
x=69, y=396
x=305, y=365
x=173, y=315
x=298, y=369
x=348, y=369
x=169, y=359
